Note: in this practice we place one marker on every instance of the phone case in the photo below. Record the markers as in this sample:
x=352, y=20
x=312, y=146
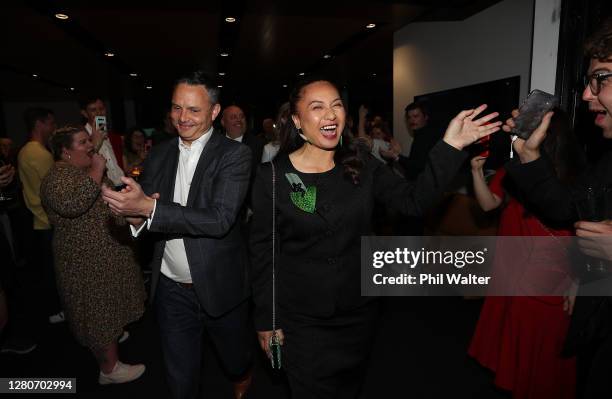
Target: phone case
x=531, y=112
x=100, y=122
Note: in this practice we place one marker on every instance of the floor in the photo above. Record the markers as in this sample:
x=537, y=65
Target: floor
x=420, y=352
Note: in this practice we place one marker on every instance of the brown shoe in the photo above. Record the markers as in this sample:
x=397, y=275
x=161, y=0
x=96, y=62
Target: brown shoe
x=242, y=386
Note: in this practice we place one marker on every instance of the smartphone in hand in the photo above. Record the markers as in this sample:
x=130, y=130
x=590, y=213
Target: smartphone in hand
x=531, y=112
x=100, y=122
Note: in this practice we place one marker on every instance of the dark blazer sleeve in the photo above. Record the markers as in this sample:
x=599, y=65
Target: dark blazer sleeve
x=228, y=192
x=260, y=238
x=147, y=177
x=542, y=189
x=414, y=198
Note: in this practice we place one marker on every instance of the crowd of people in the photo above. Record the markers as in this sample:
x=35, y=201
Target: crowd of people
x=267, y=227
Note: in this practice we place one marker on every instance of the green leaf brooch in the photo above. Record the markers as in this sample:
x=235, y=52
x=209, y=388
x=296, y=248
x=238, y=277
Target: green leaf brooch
x=303, y=197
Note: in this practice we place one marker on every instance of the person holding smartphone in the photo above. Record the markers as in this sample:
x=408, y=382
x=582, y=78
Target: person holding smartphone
x=111, y=146
x=518, y=337
x=590, y=333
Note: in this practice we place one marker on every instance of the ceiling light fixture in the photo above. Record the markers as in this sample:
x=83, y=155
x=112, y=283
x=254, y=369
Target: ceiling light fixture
x=72, y=89
x=284, y=85
x=34, y=75
x=221, y=73
x=219, y=86
x=301, y=73
x=61, y=16
x=370, y=26
x=374, y=74
x=133, y=74
x=149, y=87
x=326, y=56
x=224, y=54
x=109, y=54
x=230, y=19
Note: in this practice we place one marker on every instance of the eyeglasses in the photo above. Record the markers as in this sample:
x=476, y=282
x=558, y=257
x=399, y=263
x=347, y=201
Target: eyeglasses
x=595, y=80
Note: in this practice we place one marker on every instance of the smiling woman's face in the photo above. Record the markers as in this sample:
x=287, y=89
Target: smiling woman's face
x=320, y=114
x=80, y=152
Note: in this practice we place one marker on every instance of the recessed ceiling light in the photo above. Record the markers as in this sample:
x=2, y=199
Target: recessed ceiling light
x=327, y=56
x=374, y=74
x=149, y=87
x=72, y=89
x=370, y=26
x=284, y=85
x=219, y=86
x=224, y=54
x=34, y=75
x=221, y=73
x=230, y=19
x=61, y=16
x=109, y=54
x=301, y=73
x=133, y=74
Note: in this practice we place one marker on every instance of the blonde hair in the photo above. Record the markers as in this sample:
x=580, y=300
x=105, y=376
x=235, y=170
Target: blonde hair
x=62, y=139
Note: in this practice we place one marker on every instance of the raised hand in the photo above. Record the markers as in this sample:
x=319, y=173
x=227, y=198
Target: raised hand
x=595, y=238
x=97, y=137
x=131, y=201
x=477, y=163
x=528, y=150
x=464, y=129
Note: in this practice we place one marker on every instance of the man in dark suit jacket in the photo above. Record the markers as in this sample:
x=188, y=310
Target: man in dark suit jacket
x=190, y=194
x=234, y=123
x=590, y=332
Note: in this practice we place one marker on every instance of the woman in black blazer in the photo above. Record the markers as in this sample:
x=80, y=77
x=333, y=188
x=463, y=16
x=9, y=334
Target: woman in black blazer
x=326, y=188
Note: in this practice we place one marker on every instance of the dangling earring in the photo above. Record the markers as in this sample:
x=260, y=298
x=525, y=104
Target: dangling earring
x=340, y=141
x=302, y=135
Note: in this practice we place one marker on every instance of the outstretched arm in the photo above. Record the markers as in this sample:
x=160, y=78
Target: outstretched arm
x=485, y=197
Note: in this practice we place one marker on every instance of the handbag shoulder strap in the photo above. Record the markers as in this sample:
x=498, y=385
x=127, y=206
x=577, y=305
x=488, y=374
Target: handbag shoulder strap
x=273, y=247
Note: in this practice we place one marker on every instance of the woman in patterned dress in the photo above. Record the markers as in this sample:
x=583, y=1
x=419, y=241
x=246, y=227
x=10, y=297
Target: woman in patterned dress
x=98, y=279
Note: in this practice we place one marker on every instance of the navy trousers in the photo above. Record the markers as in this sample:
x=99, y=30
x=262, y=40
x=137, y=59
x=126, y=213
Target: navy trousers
x=182, y=321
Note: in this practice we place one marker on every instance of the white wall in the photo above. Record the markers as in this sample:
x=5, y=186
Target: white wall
x=435, y=56
x=546, y=23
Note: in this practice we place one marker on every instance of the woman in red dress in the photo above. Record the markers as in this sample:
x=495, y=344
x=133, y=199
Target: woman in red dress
x=520, y=338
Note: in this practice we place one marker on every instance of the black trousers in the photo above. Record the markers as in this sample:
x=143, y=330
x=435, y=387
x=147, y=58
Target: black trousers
x=182, y=321
x=594, y=366
x=327, y=357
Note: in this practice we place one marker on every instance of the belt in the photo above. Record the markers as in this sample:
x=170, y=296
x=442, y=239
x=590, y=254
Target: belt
x=187, y=286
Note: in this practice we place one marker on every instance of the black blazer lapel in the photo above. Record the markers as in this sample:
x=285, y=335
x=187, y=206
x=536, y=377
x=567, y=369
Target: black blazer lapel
x=171, y=162
x=208, y=154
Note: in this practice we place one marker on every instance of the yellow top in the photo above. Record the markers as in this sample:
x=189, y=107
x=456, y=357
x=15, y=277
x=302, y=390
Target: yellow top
x=34, y=164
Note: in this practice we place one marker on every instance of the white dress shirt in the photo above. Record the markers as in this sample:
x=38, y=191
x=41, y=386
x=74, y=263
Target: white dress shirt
x=238, y=139
x=113, y=171
x=174, y=262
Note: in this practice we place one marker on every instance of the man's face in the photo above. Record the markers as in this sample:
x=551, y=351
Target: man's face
x=601, y=103
x=234, y=122
x=48, y=126
x=192, y=112
x=416, y=119
x=96, y=108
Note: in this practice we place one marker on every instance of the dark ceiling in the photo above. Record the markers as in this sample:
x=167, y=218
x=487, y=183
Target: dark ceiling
x=270, y=43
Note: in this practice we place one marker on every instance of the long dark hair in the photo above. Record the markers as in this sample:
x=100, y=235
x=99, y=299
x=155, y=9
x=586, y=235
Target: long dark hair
x=563, y=149
x=351, y=154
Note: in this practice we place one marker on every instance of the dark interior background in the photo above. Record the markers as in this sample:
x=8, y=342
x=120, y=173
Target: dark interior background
x=270, y=43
